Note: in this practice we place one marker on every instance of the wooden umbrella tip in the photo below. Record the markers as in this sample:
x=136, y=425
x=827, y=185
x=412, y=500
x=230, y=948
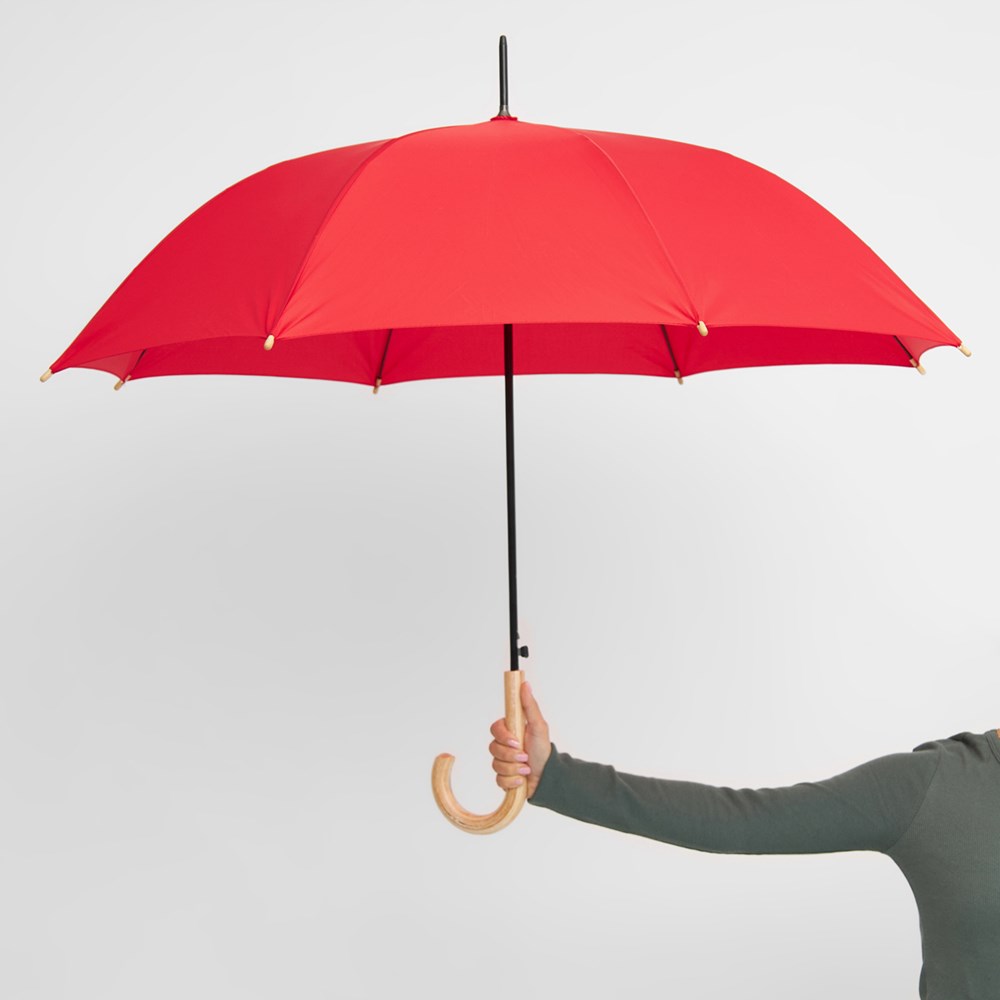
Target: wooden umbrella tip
x=269, y=343
x=46, y=375
x=678, y=376
x=916, y=364
x=702, y=329
x=965, y=350
x=378, y=382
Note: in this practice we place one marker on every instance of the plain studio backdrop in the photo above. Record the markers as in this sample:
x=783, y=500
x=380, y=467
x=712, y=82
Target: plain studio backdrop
x=240, y=616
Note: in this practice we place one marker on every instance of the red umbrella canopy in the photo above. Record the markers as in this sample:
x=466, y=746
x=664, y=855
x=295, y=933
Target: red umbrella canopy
x=402, y=259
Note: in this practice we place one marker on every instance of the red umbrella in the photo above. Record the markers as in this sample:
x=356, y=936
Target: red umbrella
x=436, y=254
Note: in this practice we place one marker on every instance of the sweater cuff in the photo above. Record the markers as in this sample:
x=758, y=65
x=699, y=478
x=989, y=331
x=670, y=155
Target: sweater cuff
x=546, y=792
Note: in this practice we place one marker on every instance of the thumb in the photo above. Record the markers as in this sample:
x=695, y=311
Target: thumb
x=531, y=710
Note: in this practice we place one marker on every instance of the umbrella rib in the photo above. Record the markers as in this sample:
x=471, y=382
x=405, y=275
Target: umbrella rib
x=381, y=364
x=649, y=222
x=137, y=360
x=128, y=376
x=334, y=205
x=913, y=361
x=673, y=360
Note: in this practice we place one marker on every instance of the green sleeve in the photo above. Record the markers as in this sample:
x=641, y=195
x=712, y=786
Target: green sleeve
x=867, y=808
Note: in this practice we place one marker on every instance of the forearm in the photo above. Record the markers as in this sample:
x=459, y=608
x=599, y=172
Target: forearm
x=844, y=813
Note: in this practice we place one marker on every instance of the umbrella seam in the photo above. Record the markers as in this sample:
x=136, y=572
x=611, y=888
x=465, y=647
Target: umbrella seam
x=649, y=222
x=335, y=204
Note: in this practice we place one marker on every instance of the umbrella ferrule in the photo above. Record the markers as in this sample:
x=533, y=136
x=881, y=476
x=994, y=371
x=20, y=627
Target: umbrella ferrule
x=504, y=112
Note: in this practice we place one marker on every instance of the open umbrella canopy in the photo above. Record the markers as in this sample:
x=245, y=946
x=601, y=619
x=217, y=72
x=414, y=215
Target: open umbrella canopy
x=399, y=260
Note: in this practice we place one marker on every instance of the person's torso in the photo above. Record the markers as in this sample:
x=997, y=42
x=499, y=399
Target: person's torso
x=950, y=855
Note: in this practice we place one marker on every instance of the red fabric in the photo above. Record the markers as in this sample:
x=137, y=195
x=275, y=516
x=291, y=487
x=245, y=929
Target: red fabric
x=604, y=250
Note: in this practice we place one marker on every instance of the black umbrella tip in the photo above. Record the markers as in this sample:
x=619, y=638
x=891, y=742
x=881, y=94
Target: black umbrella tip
x=503, y=112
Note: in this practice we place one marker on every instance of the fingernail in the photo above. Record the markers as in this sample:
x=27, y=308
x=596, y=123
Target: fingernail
x=520, y=756
x=513, y=743
x=524, y=770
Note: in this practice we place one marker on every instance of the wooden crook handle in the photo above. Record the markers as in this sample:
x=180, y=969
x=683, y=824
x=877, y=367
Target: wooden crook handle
x=515, y=798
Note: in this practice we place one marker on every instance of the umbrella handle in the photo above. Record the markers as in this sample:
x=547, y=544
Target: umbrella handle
x=514, y=799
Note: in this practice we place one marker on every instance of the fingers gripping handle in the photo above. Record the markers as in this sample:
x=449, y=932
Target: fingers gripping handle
x=513, y=800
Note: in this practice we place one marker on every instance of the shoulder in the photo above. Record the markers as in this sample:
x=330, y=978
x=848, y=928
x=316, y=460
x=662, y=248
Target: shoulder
x=980, y=746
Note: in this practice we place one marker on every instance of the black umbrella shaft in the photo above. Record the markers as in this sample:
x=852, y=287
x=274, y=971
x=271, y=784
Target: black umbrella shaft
x=508, y=385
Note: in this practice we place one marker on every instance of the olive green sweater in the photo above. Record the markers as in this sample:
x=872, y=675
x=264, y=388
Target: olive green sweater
x=935, y=811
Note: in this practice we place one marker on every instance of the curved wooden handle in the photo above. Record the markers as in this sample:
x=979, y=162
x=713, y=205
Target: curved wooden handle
x=514, y=799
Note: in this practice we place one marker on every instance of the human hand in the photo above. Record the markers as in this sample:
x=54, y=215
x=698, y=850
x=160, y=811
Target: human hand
x=513, y=763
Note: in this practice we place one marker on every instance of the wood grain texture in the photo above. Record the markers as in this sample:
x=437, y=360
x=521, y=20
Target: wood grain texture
x=514, y=798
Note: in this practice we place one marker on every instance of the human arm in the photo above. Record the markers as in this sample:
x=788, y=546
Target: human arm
x=867, y=808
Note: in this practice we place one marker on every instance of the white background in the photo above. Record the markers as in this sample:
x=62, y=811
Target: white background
x=241, y=616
